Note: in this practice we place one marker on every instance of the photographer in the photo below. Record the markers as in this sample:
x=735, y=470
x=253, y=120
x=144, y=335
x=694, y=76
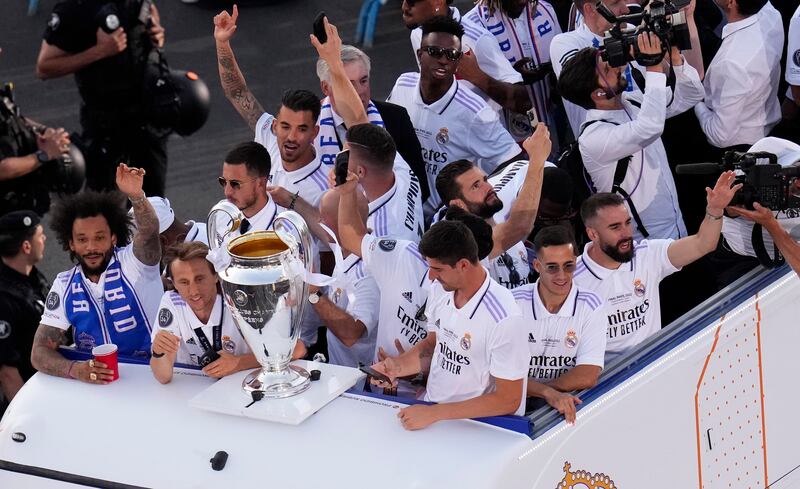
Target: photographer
x=741, y=84
x=738, y=252
x=620, y=140
x=110, y=46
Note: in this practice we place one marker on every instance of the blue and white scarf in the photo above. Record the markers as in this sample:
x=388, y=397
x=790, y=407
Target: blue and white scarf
x=329, y=143
x=122, y=320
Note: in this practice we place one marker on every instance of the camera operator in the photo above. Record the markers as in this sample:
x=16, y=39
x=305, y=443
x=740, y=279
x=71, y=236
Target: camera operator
x=110, y=46
x=737, y=252
x=741, y=84
x=621, y=138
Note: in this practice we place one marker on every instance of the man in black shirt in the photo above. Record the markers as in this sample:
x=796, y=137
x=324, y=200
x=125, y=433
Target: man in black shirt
x=22, y=297
x=111, y=47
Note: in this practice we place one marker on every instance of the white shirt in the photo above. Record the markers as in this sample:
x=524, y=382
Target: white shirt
x=575, y=335
x=793, y=52
x=637, y=133
x=176, y=317
x=632, y=303
x=398, y=212
x=501, y=272
x=508, y=183
x=260, y=221
x=311, y=180
x=741, y=84
x=562, y=48
x=458, y=126
x=475, y=344
x=358, y=295
x=145, y=280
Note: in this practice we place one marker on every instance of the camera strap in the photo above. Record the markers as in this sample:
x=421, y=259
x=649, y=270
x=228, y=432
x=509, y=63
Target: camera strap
x=216, y=332
x=757, y=239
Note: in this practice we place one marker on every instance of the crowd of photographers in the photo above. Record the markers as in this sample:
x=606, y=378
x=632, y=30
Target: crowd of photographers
x=551, y=186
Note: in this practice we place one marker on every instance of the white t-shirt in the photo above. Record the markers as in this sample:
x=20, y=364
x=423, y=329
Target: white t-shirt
x=500, y=271
x=176, y=317
x=145, y=280
x=359, y=296
x=398, y=212
x=482, y=341
x=633, y=306
x=793, y=52
x=575, y=335
x=458, y=126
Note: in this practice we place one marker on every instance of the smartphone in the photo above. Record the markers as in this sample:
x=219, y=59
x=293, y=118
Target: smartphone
x=319, y=28
x=340, y=166
x=374, y=373
x=533, y=118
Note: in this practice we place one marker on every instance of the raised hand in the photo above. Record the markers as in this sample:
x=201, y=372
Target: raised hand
x=331, y=50
x=225, y=24
x=156, y=30
x=130, y=180
x=721, y=195
x=538, y=145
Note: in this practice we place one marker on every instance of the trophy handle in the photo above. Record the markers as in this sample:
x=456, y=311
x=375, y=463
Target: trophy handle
x=292, y=229
x=215, y=239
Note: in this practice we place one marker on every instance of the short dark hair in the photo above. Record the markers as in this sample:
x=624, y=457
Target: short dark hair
x=302, y=101
x=374, y=143
x=444, y=24
x=110, y=205
x=449, y=242
x=253, y=155
x=578, y=78
x=446, y=184
x=592, y=205
x=554, y=236
x=750, y=7
x=557, y=185
x=10, y=246
x=481, y=230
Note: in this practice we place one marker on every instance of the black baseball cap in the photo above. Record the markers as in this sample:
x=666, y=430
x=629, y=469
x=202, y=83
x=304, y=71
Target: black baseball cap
x=16, y=227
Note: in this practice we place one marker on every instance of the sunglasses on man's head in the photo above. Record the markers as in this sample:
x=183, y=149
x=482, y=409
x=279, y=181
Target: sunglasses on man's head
x=437, y=52
x=235, y=184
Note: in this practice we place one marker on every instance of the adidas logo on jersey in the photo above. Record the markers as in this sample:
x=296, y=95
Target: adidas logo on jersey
x=407, y=296
x=191, y=341
x=531, y=339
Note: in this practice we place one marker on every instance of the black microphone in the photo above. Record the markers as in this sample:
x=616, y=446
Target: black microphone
x=698, y=169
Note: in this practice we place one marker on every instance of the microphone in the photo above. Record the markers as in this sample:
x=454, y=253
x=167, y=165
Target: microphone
x=698, y=169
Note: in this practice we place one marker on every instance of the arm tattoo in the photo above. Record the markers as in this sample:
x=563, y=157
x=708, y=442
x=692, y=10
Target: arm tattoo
x=146, y=245
x=44, y=354
x=235, y=87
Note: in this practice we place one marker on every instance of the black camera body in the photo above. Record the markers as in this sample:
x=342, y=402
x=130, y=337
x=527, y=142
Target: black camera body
x=770, y=185
x=664, y=19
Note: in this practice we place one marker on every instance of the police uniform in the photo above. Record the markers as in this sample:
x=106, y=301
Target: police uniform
x=21, y=302
x=115, y=125
x=18, y=139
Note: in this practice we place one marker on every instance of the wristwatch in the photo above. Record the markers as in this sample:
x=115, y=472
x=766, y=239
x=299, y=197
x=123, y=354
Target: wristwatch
x=156, y=355
x=313, y=297
x=41, y=157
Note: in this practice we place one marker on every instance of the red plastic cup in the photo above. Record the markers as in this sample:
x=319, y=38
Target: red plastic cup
x=107, y=354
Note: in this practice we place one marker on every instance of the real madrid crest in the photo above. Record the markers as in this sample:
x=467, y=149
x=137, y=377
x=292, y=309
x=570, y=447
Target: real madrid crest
x=228, y=345
x=571, y=341
x=337, y=294
x=638, y=288
x=443, y=137
x=466, y=341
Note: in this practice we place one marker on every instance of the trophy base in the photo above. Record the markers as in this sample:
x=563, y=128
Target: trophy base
x=275, y=385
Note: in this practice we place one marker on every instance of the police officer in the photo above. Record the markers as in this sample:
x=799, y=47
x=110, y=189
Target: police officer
x=22, y=297
x=111, y=47
x=25, y=146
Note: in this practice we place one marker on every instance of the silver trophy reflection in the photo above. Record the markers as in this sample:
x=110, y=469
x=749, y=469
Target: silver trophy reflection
x=266, y=294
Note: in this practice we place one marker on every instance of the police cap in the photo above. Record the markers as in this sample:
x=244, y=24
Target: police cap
x=16, y=227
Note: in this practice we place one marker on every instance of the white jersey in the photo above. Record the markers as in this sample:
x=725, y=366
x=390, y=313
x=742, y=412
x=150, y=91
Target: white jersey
x=398, y=212
x=508, y=183
x=311, y=180
x=145, y=280
x=558, y=342
x=475, y=344
x=458, y=126
x=197, y=232
x=793, y=52
x=630, y=292
x=176, y=317
x=501, y=268
x=357, y=294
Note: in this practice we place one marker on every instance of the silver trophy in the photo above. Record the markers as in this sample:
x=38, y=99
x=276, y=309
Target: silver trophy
x=263, y=287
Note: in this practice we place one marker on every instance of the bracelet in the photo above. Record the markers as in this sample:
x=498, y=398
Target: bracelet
x=156, y=355
x=69, y=372
x=139, y=200
x=294, y=199
x=713, y=217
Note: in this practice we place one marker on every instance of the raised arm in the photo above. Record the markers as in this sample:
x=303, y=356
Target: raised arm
x=523, y=212
x=351, y=227
x=694, y=56
x=348, y=103
x=510, y=96
x=146, y=242
x=233, y=84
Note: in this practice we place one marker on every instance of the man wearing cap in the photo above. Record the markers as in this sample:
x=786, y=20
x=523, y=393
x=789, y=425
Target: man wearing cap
x=21, y=297
x=172, y=230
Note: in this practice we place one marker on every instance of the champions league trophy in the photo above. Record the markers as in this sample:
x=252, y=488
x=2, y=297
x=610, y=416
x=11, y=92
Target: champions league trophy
x=263, y=287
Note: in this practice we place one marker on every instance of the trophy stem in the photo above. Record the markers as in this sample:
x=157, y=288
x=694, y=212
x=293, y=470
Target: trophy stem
x=288, y=382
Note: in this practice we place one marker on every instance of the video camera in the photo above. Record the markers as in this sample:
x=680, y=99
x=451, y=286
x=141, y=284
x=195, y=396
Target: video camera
x=770, y=184
x=663, y=18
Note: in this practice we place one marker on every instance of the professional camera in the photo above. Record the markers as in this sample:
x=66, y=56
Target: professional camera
x=770, y=184
x=663, y=18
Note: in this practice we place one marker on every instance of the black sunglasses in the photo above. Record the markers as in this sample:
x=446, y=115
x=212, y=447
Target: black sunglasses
x=235, y=184
x=437, y=52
